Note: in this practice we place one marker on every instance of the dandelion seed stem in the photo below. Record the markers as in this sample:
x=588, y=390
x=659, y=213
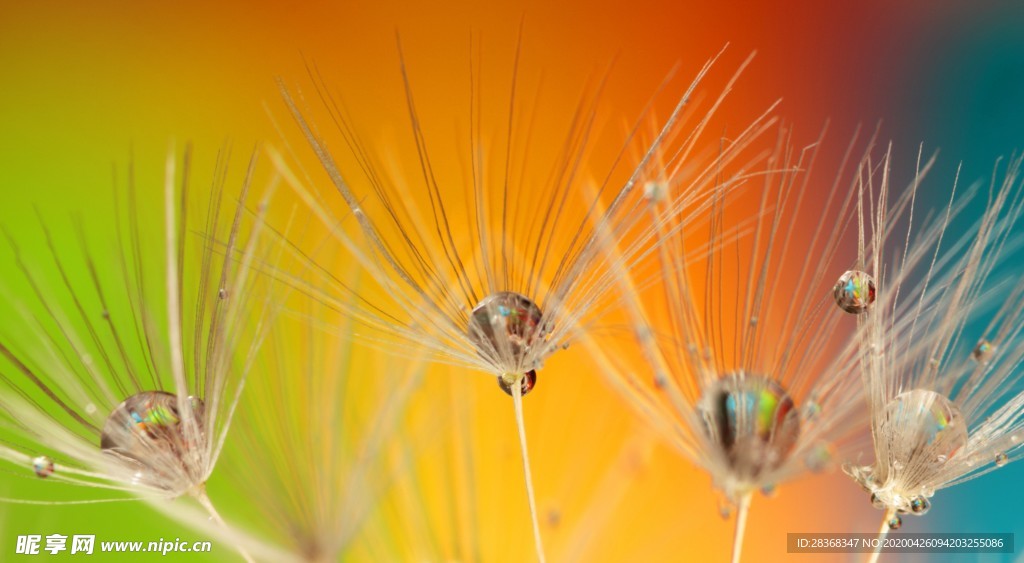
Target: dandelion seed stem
x=204, y=500
x=741, y=526
x=882, y=532
x=517, y=399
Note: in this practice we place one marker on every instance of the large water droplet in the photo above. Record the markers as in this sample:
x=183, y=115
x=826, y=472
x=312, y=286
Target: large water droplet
x=923, y=421
x=854, y=292
x=146, y=432
x=753, y=420
x=504, y=327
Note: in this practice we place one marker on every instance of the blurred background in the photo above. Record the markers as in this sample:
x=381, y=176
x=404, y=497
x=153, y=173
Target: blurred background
x=90, y=87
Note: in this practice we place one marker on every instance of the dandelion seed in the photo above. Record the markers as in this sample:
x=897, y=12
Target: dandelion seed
x=939, y=414
x=121, y=403
x=311, y=447
x=759, y=403
x=526, y=263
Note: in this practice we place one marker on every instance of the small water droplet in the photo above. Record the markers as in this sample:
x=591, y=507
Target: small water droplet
x=941, y=459
x=222, y=293
x=90, y=409
x=43, y=466
x=526, y=382
x=898, y=465
x=854, y=292
x=1014, y=438
x=105, y=314
x=983, y=351
x=919, y=505
x=895, y=522
x=1001, y=459
x=768, y=490
x=724, y=508
x=753, y=321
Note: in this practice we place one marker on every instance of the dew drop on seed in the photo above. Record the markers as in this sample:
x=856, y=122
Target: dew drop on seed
x=983, y=351
x=753, y=420
x=922, y=420
x=1001, y=459
x=895, y=522
x=145, y=430
x=526, y=382
x=854, y=292
x=43, y=466
x=919, y=505
x=504, y=326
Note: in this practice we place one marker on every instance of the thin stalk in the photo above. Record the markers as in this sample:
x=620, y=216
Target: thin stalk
x=882, y=532
x=741, y=526
x=204, y=500
x=517, y=399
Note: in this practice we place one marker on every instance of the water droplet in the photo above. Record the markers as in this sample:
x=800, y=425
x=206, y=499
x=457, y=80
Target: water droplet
x=656, y=191
x=983, y=351
x=43, y=466
x=554, y=518
x=752, y=419
x=504, y=327
x=753, y=321
x=145, y=431
x=854, y=292
x=877, y=502
x=898, y=465
x=90, y=409
x=920, y=420
x=222, y=293
x=1001, y=459
x=919, y=505
x=526, y=382
x=895, y=522
x=1014, y=438
x=768, y=490
x=105, y=314
x=724, y=508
